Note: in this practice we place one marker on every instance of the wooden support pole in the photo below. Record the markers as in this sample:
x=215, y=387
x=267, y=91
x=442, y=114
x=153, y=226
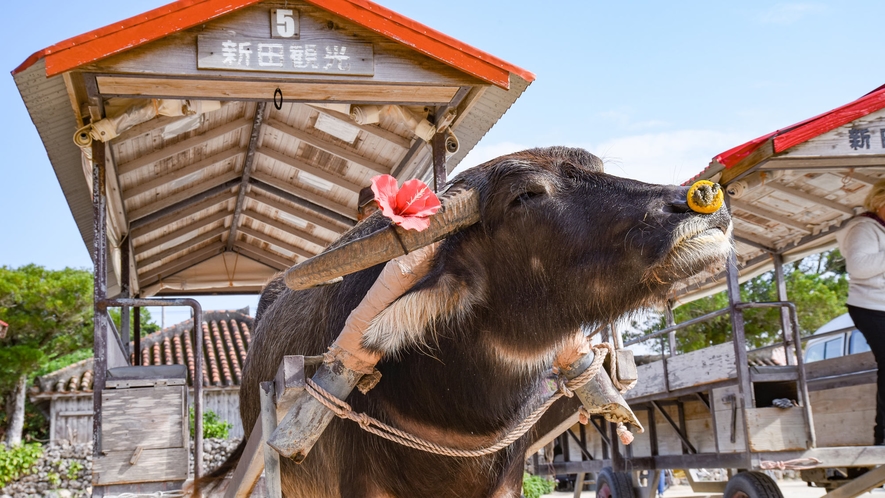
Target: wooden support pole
x=738, y=339
x=268, y=425
x=136, y=333
x=100, y=316
x=438, y=145
x=862, y=484
x=247, y=172
x=125, y=325
x=781, y=284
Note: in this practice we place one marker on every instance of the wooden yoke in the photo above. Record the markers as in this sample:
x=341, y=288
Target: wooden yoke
x=346, y=362
x=599, y=396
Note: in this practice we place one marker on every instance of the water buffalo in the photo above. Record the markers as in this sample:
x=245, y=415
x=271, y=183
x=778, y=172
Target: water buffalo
x=560, y=245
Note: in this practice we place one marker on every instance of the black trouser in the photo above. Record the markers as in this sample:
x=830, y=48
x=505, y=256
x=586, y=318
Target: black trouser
x=871, y=323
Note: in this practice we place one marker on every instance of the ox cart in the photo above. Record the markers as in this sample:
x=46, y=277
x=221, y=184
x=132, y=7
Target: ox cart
x=714, y=408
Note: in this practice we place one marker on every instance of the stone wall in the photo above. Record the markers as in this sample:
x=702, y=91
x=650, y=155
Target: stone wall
x=65, y=470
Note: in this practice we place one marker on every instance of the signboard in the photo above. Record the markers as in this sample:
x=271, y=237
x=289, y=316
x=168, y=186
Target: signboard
x=278, y=55
x=284, y=23
x=865, y=135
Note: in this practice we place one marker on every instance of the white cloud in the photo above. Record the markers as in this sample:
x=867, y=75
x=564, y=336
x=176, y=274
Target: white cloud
x=788, y=13
x=666, y=157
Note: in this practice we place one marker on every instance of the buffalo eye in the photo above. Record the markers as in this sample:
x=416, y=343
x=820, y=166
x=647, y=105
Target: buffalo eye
x=527, y=196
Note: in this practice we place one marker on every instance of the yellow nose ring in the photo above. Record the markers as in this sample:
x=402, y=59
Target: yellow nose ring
x=705, y=197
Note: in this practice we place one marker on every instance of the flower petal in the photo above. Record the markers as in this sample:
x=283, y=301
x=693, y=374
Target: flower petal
x=385, y=190
x=414, y=199
x=415, y=223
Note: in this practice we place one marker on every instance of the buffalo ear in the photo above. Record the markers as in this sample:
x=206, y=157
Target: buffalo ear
x=411, y=320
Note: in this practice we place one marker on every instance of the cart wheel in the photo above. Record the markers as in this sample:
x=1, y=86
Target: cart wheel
x=611, y=484
x=752, y=485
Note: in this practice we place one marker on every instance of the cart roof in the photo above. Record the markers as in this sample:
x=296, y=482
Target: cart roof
x=791, y=190
x=219, y=201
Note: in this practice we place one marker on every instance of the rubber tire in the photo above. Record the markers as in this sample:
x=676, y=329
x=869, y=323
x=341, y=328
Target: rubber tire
x=618, y=484
x=753, y=485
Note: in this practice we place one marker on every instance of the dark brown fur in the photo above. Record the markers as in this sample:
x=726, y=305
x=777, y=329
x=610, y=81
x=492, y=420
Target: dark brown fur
x=561, y=245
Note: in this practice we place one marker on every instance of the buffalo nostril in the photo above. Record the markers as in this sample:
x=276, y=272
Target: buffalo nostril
x=705, y=197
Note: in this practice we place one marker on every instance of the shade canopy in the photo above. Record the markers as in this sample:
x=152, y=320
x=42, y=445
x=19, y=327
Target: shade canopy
x=238, y=134
x=792, y=190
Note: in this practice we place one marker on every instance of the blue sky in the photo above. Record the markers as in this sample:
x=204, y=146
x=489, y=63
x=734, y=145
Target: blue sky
x=655, y=88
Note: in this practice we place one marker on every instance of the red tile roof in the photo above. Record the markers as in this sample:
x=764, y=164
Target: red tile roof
x=226, y=340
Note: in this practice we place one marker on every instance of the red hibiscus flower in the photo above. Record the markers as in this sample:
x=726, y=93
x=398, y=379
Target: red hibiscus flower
x=410, y=206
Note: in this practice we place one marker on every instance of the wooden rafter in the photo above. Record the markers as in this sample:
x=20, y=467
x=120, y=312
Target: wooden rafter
x=146, y=127
x=183, y=195
x=801, y=194
x=299, y=165
x=187, y=244
x=307, y=214
x=177, y=148
x=331, y=148
x=281, y=224
x=185, y=230
x=248, y=164
x=758, y=211
x=276, y=242
x=751, y=240
x=173, y=267
x=374, y=130
x=264, y=257
x=304, y=194
x=180, y=173
x=180, y=211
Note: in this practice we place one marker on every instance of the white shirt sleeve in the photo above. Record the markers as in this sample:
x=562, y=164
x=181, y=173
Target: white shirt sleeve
x=863, y=257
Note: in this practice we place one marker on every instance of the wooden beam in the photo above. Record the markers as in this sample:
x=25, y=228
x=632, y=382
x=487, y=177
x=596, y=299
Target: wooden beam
x=183, y=195
x=289, y=229
x=194, y=241
x=375, y=130
x=763, y=153
x=743, y=239
x=182, y=210
x=869, y=180
x=146, y=127
x=304, y=253
x=872, y=479
x=801, y=194
x=816, y=162
x=329, y=219
x=331, y=148
x=758, y=211
x=182, y=146
x=193, y=227
x=158, y=87
x=408, y=157
x=173, y=267
x=274, y=261
x=183, y=172
x=257, y=118
x=250, y=465
x=304, y=194
x=300, y=165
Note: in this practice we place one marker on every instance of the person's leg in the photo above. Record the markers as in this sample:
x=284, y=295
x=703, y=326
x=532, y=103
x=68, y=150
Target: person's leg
x=871, y=324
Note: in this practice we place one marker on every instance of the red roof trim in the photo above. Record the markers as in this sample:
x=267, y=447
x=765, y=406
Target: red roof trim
x=177, y=16
x=809, y=128
x=130, y=33
x=426, y=40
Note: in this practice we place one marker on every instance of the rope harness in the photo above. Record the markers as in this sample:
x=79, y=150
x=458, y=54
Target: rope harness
x=378, y=428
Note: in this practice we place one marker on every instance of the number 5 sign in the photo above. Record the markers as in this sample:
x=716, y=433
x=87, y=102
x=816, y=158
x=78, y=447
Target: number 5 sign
x=284, y=23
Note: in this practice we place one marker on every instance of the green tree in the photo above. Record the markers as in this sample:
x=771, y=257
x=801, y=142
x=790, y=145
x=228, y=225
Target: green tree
x=818, y=285
x=147, y=324
x=49, y=313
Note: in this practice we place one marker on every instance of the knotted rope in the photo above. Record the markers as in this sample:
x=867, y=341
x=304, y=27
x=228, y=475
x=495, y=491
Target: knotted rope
x=378, y=428
x=796, y=464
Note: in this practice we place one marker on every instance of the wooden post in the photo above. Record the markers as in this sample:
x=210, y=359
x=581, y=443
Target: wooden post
x=136, y=333
x=268, y=425
x=99, y=319
x=671, y=337
x=782, y=296
x=438, y=144
x=738, y=339
x=125, y=326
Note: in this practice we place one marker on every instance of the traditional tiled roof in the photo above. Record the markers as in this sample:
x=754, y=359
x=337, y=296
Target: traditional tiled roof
x=226, y=339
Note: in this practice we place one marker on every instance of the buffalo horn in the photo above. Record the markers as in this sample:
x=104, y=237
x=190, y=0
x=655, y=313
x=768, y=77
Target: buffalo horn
x=460, y=209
